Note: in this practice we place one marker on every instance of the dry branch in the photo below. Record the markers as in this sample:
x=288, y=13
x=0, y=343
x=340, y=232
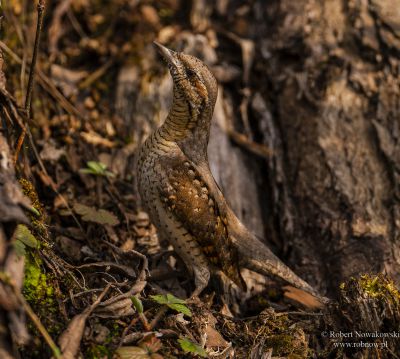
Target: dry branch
x=28, y=99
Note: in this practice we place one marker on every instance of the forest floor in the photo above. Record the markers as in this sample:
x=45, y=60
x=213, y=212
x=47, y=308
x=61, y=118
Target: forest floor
x=93, y=263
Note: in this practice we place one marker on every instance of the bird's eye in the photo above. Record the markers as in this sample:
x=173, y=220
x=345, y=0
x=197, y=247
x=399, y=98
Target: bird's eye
x=190, y=73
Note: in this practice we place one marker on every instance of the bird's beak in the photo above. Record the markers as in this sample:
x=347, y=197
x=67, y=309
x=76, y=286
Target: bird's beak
x=168, y=55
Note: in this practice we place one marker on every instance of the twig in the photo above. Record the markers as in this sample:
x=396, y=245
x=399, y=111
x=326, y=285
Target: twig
x=256, y=148
x=95, y=75
x=142, y=317
x=144, y=321
x=131, y=254
x=158, y=317
x=88, y=291
x=28, y=99
x=126, y=330
x=98, y=300
x=75, y=24
x=391, y=352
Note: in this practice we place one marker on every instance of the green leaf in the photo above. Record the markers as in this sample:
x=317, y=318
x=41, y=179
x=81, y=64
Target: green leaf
x=190, y=347
x=97, y=168
x=24, y=235
x=167, y=299
x=137, y=303
x=109, y=174
x=19, y=248
x=159, y=298
x=34, y=211
x=172, y=302
x=181, y=308
x=90, y=214
x=87, y=171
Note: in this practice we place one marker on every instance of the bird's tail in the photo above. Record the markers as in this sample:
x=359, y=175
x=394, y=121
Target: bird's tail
x=256, y=256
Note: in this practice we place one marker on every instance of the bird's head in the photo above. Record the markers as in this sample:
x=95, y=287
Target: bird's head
x=192, y=78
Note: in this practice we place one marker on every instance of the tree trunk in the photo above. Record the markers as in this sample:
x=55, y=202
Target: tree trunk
x=329, y=74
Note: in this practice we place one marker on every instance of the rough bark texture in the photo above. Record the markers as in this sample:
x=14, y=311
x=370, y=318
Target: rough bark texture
x=332, y=70
x=325, y=99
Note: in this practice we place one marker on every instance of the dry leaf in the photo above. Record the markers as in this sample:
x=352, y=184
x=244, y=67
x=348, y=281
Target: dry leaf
x=302, y=297
x=100, y=216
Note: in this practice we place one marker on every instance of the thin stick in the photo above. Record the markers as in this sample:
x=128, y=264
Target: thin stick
x=158, y=317
x=98, y=300
x=28, y=99
x=95, y=75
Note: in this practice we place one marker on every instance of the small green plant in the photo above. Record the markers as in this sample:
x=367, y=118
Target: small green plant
x=97, y=169
x=24, y=238
x=190, y=347
x=172, y=302
x=34, y=211
x=137, y=303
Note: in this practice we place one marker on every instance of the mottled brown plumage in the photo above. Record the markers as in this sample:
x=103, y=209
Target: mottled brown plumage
x=181, y=195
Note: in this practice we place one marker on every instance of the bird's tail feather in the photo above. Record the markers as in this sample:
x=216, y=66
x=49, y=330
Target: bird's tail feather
x=256, y=256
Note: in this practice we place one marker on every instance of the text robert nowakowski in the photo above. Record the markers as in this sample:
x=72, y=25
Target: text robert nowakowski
x=359, y=334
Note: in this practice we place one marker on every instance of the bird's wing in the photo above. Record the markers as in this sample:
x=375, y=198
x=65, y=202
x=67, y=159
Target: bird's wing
x=187, y=193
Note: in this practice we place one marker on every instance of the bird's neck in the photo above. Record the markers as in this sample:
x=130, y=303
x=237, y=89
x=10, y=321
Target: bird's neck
x=187, y=127
x=179, y=119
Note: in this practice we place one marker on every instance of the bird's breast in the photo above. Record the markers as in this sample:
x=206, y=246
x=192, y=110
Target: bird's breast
x=175, y=233
x=150, y=152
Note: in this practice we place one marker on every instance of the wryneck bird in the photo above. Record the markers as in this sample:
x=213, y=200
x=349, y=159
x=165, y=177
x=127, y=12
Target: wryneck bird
x=181, y=196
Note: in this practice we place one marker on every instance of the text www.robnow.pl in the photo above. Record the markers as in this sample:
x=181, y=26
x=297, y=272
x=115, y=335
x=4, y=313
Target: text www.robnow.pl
x=360, y=344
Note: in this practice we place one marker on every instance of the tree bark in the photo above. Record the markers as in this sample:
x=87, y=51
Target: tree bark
x=329, y=74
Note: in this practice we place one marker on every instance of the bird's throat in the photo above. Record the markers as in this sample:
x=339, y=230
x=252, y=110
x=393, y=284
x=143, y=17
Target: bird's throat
x=181, y=119
x=188, y=124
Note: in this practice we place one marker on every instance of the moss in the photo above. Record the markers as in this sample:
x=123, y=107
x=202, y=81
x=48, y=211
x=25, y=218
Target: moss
x=37, y=222
x=291, y=344
x=38, y=288
x=98, y=352
x=36, y=283
x=272, y=330
x=378, y=286
x=106, y=348
x=280, y=343
x=367, y=303
x=39, y=291
x=29, y=190
x=115, y=333
x=285, y=339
